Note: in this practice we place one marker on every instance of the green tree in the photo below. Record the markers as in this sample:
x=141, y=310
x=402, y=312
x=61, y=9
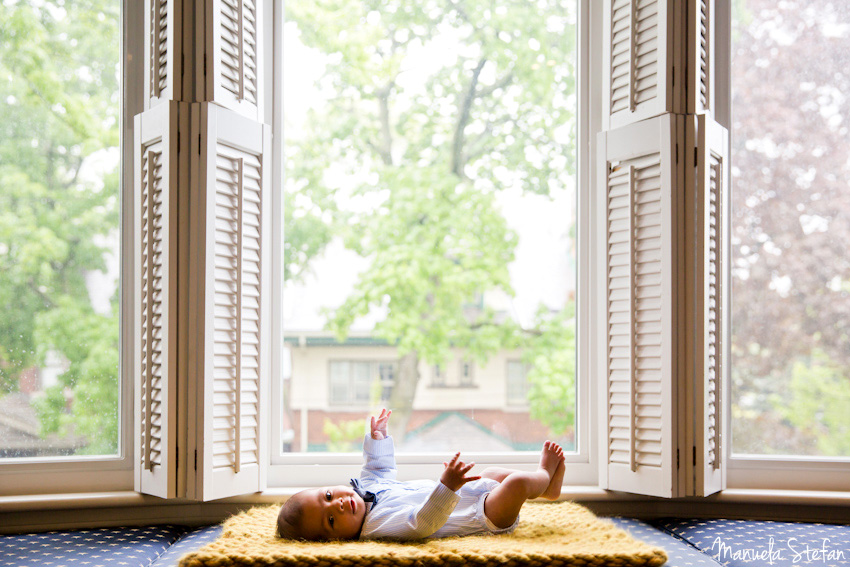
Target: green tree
x=420, y=157
x=552, y=358
x=344, y=436
x=817, y=403
x=789, y=227
x=58, y=126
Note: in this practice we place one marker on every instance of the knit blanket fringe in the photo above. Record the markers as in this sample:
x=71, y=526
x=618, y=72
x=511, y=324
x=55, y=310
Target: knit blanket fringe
x=549, y=534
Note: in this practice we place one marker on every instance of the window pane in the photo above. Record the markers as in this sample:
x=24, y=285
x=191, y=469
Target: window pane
x=430, y=202
x=363, y=379
x=340, y=373
x=517, y=382
x=59, y=233
x=791, y=227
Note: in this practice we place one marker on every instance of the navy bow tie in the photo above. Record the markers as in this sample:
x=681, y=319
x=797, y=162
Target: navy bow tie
x=364, y=494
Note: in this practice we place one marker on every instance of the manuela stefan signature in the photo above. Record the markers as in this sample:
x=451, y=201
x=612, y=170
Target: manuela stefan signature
x=794, y=549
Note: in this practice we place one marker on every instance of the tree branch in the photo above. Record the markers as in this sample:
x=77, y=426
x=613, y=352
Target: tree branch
x=482, y=142
x=48, y=303
x=386, y=148
x=463, y=120
x=500, y=84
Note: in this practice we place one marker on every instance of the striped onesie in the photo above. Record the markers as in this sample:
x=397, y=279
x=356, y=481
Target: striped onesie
x=420, y=508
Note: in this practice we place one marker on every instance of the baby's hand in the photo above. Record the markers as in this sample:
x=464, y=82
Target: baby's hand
x=455, y=474
x=379, y=425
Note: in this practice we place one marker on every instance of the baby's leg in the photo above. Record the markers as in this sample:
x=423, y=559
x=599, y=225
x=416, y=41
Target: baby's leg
x=504, y=502
x=496, y=473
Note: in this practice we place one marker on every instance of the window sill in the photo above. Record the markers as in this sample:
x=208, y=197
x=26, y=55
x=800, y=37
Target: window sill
x=127, y=508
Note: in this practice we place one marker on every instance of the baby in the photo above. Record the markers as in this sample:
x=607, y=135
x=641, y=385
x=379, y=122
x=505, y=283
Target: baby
x=457, y=505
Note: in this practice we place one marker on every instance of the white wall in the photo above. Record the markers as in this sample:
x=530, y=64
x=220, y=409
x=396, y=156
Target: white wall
x=310, y=379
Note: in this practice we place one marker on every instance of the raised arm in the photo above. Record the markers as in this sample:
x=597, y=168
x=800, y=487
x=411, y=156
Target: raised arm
x=378, y=450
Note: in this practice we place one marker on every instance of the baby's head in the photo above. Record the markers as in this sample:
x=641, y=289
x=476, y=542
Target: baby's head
x=334, y=512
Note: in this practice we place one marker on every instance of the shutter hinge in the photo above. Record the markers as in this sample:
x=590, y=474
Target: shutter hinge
x=696, y=155
x=199, y=144
x=673, y=73
x=177, y=458
x=182, y=64
x=205, y=64
x=196, y=459
x=677, y=153
x=178, y=141
x=677, y=458
x=695, y=455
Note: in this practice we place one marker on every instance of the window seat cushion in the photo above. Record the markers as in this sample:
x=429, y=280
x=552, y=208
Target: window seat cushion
x=192, y=540
x=745, y=543
x=680, y=553
x=688, y=543
x=129, y=547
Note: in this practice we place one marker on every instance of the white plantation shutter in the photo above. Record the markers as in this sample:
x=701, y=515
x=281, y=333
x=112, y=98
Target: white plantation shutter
x=642, y=55
x=157, y=176
x=641, y=183
x=711, y=294
x=202, y=252
x=231, y=355
x=163, y=50
x=232, y=44
x=701, y=30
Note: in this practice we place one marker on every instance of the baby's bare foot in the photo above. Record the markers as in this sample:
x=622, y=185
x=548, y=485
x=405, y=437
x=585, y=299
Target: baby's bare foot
x=553, y=491
x=550, y=457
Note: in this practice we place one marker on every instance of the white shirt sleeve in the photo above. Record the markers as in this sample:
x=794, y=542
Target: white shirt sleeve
x=379, y=457
x=412, y=521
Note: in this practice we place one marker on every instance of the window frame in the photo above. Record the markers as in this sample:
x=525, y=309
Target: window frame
x=466, y=374
x=302, y=469
x=47, y=475
x=438, y=376
x=764, y=472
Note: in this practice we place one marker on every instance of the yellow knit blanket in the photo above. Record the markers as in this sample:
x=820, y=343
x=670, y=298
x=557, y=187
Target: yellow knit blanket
x=548, y=534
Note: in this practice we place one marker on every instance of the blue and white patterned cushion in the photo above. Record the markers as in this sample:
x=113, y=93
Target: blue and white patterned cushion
x=747, y=543
x=191, y=541
x=113, y=547
x=679, y=553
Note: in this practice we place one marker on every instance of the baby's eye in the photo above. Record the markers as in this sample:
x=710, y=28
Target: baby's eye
x=328, y=495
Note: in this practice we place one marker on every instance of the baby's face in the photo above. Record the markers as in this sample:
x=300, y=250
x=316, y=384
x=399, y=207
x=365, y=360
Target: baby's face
x=333, y=512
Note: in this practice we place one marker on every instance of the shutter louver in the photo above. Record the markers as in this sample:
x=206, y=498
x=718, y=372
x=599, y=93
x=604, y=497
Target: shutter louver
x=710, y=285
x=162, y=46
x=621, y=57
x=233, y=55
x=638, y=177
x=646, y=51
x=700, y=57
x=236, y=351
x=152, y=304
x=159, y=47
x=237, y=302
x=640, y=59
x=155, y=301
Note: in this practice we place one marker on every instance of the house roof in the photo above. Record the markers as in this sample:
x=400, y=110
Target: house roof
x=450, y=432
x=20, y=431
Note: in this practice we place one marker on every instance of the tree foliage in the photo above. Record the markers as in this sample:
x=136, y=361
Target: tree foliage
x=344, y=436
x=437, y=108
x=791, y=221
x=820, y=396
x=59, y=205
x=551, y=356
